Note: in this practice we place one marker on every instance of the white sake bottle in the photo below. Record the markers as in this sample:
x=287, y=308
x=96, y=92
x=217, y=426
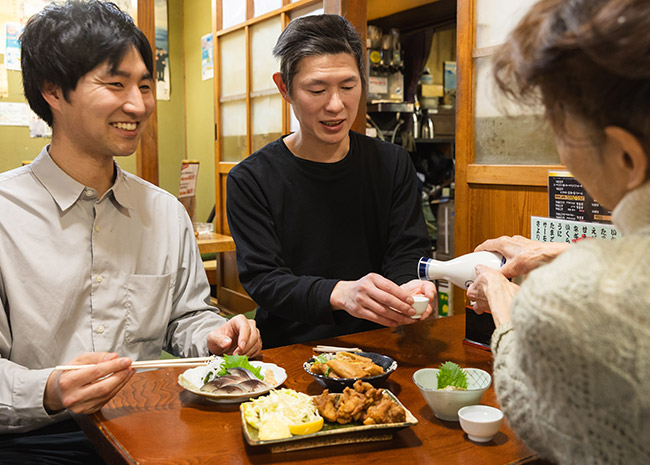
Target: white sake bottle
x=460, y=270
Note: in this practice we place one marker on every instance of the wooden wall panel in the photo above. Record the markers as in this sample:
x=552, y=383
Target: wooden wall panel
x=503, y=210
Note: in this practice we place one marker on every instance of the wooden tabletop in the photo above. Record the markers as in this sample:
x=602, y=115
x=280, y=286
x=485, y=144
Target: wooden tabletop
x=216, y=243
x=153, y=420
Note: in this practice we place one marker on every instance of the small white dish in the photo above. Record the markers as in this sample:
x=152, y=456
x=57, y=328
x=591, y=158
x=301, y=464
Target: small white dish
x=420, y=304
x=480, y=422
x=192, y=380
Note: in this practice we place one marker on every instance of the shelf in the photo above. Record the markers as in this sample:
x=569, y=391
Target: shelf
x=437, y=140
x=404, y=107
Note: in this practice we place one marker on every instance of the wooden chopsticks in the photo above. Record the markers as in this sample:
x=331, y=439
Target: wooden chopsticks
x=174, y=362
x=320, y=348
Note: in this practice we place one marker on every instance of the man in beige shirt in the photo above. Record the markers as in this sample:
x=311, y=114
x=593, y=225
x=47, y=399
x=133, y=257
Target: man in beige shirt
x=96, y=265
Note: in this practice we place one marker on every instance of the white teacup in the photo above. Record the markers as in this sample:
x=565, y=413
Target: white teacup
x=420, y=304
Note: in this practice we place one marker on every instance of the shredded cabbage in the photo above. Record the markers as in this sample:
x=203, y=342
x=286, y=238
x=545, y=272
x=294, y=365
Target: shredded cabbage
x=280, y=406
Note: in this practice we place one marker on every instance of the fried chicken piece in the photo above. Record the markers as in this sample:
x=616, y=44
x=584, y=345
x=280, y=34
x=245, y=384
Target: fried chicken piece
x=375, y=395
x=325, y=403
x=386, y=411
x=351, y=406
x=362, y=403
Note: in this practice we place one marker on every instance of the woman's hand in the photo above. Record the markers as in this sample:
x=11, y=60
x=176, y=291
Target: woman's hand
x=492, y=292
x=522, y=255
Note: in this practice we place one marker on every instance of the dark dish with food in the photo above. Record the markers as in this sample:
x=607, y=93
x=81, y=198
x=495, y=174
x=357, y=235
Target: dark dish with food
x=336, y=371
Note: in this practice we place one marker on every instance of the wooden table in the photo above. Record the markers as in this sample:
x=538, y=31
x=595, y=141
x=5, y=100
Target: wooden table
x=216, y=243
x=153, y=420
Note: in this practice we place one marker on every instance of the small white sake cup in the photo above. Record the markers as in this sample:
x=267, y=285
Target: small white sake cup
x=480, y=422
x=420, y=304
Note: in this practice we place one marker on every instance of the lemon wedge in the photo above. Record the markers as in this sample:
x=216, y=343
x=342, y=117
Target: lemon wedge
x=306, y=428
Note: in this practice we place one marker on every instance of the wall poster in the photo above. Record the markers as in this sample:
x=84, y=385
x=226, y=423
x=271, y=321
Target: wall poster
x=161, y=54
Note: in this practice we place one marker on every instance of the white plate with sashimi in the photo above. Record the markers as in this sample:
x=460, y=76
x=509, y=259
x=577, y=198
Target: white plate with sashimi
x=232, y=379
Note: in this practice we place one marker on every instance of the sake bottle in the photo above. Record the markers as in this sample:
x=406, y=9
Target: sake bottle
x=460, y=270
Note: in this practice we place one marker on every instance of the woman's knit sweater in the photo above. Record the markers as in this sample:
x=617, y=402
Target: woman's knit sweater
x=572, y=368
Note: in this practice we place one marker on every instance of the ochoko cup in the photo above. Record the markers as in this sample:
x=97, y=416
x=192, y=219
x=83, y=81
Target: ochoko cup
x=420, y=303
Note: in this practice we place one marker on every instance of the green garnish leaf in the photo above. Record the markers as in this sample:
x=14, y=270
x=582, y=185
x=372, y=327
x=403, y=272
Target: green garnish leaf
x=451, y=374
x=320, y=359
x=241, y=361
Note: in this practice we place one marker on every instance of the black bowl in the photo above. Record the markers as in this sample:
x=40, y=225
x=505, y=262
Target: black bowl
x=338, y=384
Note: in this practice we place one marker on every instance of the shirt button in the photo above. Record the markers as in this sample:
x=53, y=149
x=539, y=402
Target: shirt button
x=89, y=193
x=99, y=278
x=100, y=329
x=96, y=228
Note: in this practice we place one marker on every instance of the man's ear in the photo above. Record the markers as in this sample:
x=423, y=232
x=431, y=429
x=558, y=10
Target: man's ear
x=629, y=156
x=279, y=82
x=52, y=95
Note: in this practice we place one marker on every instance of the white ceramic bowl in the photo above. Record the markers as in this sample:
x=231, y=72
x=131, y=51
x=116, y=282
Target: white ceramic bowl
x=480, y=422
x=445, y=404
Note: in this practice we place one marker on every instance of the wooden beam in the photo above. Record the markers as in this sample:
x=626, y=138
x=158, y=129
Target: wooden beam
x=217, y=20
x=510, y=175
x=147, y=152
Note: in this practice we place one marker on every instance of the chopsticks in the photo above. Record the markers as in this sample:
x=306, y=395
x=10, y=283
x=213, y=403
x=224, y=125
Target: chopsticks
x=320, y=348
x=175, y=362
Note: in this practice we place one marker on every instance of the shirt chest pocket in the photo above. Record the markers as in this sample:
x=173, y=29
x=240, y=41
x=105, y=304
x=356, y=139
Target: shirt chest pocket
x=148, y=306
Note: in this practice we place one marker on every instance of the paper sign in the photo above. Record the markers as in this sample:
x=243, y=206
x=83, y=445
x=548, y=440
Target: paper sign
x=12, y=45
x=558, y=230
x=189, y=176
x=14, y=114
x=568, y=200
x=207, y=60
x=38, y=127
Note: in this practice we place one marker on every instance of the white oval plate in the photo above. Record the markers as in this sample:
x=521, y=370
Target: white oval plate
x=192, y=380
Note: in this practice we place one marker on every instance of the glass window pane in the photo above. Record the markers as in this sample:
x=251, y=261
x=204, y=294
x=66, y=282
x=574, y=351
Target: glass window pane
x=315, y=9
x=264, y=6
x=233, y=63
x=233, y=12
x=266, y=124
x=522, y=138
x=496, y=18
x=264, y=35
x=233, y=130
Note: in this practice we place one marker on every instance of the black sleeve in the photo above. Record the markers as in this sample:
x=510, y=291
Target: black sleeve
x=262, y=270
x=407, y=235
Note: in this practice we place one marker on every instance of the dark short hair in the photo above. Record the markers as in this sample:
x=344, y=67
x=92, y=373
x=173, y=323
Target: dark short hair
x=62, y=43
x=588, y=59
x=317, y=35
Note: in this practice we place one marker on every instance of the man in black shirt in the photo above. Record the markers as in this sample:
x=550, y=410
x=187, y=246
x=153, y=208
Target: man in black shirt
x=327, y=222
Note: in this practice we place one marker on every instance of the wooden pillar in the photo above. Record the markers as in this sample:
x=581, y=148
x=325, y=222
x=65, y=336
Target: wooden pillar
x=147, y=152
x=354, y=11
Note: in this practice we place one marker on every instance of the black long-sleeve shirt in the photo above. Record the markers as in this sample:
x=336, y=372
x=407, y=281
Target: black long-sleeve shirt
x=301, y=226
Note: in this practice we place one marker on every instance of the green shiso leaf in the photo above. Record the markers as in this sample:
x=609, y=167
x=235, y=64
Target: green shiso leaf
x=451, y=374
x=241, y=361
